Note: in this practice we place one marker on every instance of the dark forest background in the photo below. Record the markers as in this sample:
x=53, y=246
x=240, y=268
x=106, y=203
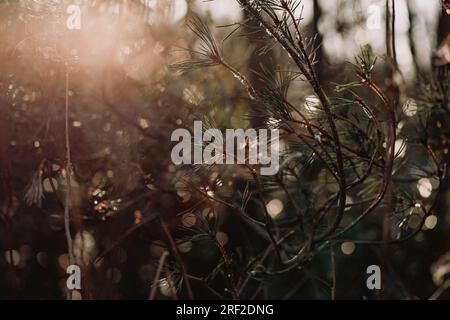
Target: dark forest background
x=359, y=90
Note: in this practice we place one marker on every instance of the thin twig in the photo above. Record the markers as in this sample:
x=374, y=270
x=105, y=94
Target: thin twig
x=333, y=272
x=162, y=260
x=68, y=173
x=177, y=255
x=439, y=291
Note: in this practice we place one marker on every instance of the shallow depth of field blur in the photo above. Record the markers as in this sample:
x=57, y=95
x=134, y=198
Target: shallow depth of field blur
x=113, y=91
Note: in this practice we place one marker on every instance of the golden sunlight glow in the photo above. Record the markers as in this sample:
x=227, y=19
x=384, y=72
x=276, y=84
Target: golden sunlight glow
x=167, y=287
x=12, y=257
x=425, y=187
x=312, y=104
x=222, y=238
x=84, y=247
x=188, y=220
x=431, y=222
x=410, y=108
x=274, y=207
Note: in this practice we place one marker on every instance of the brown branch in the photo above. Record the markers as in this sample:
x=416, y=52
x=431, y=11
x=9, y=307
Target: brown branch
x=68, y=170
x=162, y=260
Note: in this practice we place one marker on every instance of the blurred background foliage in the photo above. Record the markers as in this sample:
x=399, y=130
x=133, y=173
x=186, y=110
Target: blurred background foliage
x=144, y=228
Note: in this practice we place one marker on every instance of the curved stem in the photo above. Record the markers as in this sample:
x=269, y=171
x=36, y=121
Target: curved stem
x=68, y=173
